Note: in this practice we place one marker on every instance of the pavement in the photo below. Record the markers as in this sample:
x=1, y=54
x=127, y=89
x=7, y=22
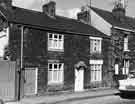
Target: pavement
x=67, y=96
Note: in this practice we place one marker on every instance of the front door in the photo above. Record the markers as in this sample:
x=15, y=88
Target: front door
x=79, y=80
x=30, y=83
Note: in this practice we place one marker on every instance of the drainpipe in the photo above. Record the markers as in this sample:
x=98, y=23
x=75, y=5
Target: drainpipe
x=21, y=66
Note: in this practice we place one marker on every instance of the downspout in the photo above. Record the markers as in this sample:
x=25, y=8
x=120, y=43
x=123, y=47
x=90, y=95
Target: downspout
x=21, y=66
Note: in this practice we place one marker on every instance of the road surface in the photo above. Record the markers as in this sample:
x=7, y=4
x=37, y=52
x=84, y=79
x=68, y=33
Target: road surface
x=112, y=99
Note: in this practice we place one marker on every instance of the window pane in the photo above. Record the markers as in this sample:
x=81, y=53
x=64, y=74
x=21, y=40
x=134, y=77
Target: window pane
x=60, y=37
x=55, y=36
x=49, y=43
x=50, y=66
x=60, y=73
x=55, y=76
x=50, y=36
x=50, y=75
x=60, y=65
x=55, y=66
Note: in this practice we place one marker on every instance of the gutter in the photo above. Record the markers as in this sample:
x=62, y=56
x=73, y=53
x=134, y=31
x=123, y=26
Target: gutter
x=57, y=30
x=129, y=30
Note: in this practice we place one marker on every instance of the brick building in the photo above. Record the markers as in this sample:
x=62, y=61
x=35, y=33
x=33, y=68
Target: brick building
x=54, y=53
x=120, y=28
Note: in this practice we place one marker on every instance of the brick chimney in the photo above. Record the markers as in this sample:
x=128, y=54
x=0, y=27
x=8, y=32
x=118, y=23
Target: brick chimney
x=119, y=10
x=84, y=15
x=50, y=8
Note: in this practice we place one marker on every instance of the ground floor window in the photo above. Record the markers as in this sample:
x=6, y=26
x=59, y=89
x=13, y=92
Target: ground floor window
x=55, y=73
x=116, y=69
x=126, y=67
x=96, y=70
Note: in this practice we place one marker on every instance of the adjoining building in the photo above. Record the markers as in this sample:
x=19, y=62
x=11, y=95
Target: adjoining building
x=121, y=29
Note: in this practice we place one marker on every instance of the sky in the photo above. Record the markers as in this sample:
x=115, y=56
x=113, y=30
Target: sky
x=69, y=8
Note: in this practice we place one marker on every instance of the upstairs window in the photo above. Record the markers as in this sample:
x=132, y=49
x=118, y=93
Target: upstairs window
x=55, y=42
x=95, y=45
x=126, y=43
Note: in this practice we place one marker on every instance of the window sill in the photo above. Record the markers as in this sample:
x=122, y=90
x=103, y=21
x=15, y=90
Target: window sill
x=126, y=50
x=96, y=81
x=95, y=52
x=56, y=50
x=55, y=83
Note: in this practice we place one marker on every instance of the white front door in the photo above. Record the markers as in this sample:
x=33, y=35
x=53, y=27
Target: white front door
x=79, y=80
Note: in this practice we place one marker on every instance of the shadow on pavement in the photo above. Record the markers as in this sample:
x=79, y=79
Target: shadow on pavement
x=126, y=95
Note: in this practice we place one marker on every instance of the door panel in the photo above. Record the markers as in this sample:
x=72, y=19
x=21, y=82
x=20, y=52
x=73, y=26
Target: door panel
x=30, y=85
x=7, y=80
x=79, y=80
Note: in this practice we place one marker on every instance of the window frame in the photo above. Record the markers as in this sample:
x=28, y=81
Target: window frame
x=55, y=44
x=96, y=70
x=125, y=70
x=52, y=72
x=95, y=45
x=126, y=43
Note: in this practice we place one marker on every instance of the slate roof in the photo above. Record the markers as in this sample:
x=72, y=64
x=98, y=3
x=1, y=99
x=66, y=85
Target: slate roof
x=41, y=20
x=127, y=23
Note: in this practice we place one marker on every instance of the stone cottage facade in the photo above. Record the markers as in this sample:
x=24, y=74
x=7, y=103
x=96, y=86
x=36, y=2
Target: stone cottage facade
x=54, y=53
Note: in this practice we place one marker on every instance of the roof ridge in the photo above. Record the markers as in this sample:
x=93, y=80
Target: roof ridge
x=100, y=9
x=107, y=11
x=65, y=17
x=39, y=20
x=34, y=11
x=29, y=10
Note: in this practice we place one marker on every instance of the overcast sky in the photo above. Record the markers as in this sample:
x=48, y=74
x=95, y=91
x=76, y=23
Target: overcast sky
x=69, y=8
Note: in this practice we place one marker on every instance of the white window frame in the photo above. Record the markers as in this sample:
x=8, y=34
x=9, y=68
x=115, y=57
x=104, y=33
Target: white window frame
x=96, y=70
x=95, y=44
x=116, y=69
x=126, y=43
x=125, y=70
x=55, y=44
x=59, y=74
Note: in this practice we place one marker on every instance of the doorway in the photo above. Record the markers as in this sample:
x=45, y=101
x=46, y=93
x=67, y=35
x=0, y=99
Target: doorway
x=30, y=81
x=79, y=80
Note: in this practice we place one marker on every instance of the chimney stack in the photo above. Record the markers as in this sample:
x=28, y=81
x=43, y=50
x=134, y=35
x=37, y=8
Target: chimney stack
x=50, y=8
x=6, y=3
x=84, y=15
x=119, y=10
